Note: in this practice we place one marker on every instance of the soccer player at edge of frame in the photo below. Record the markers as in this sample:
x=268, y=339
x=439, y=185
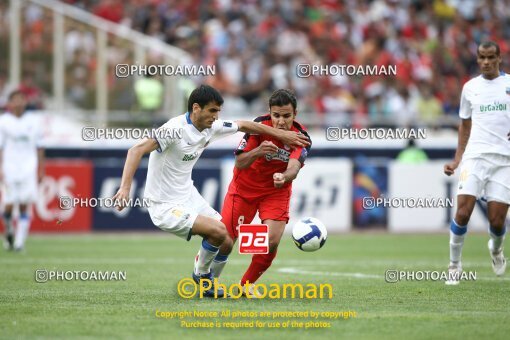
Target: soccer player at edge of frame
x=21, y=167
x=483, y=153
x=175, y=204
x=262, y=181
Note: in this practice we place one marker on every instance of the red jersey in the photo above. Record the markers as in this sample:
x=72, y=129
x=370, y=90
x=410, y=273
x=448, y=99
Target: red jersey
x=258, y=177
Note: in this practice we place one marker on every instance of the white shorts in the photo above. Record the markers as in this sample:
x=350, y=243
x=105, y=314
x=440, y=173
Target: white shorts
x=20, y=192
x=178, y=218
x=486, y=176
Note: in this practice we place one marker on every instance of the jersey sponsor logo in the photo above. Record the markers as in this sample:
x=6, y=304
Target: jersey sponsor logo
x=253, y=239
x=242, y=146
x=227, y=124
x=281, y=155
x=496, y=106
x=190, y=157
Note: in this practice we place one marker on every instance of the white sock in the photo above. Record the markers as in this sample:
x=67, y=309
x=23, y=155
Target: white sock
x=206, y=255
x=496, y=240
x=22, y=231
x=457, y=235
x=218, y=264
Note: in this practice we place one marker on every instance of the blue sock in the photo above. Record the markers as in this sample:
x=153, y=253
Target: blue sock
x=218, y=264
x=206, y=254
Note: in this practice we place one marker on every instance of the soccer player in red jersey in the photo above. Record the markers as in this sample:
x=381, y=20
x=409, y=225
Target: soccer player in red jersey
x=262, y=181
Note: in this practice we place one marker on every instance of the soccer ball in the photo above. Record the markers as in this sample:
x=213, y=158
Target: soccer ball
x=309, y=234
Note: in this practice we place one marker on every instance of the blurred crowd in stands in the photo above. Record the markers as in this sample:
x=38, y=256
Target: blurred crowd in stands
x=256, y=45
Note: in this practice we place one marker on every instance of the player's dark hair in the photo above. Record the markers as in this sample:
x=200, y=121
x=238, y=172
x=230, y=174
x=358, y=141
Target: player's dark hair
x=15, y=93
x=283, y=97
x=489, y=44
x=203, y=95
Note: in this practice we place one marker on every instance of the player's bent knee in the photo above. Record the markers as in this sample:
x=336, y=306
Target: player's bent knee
x=226, y=246
x=497, y=221
x=218, y=233
x=273, y=246
x=462, y=216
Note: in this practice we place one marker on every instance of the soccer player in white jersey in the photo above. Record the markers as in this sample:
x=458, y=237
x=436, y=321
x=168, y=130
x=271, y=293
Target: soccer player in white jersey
x=483, y=153
x=21, y=165
x=176, y=206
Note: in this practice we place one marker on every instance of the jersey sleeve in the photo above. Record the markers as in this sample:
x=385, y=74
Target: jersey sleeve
x=164, y=139
x=465, y=105
x=248, y=143
x=301, y=153
x=223, y=128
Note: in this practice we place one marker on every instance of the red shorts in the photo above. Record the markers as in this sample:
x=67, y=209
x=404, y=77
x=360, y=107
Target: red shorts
x=241, y=210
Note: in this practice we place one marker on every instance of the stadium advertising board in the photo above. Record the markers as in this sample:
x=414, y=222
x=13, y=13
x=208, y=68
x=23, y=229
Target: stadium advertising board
x=322, y=190
x=107, y=179
x=426, y=181
x=63, y=178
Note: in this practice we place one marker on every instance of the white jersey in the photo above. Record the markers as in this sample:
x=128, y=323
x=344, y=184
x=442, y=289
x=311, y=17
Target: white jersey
x=20, y=137
x=170, y=166
x=487, y=103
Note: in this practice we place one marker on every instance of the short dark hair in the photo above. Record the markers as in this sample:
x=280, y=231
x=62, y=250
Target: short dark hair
x=283, y=97
x=15, y=93
x=203, y=95
x=489, y=44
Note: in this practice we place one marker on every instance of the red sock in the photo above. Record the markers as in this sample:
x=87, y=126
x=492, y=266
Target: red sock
x=259, y=264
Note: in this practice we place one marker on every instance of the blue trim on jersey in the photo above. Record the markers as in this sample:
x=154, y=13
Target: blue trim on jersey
x=221, y=258
x=497, y=232
x=209, y=247
x=188, y=118
x=456, y=229
x=189, y=236
x=23, y=216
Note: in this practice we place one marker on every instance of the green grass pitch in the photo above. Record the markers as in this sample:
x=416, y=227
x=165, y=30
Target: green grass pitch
x=353, y=264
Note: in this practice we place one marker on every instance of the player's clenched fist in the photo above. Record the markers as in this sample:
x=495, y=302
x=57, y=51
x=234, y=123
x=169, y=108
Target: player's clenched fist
x=449, y=168
x=121, y=198
x=267, y=147
x=279, y=180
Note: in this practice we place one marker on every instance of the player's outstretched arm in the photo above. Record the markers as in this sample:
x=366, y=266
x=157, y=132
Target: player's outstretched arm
x=40, y=164
x=289, y=175
x=464, y=133
x=289, y=138
x=245, y=159
x=133, y=158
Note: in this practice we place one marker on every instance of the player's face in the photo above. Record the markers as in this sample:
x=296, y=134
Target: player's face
x=282, y=117
x=488, y=61
x=17, y=103
x=207, y=115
